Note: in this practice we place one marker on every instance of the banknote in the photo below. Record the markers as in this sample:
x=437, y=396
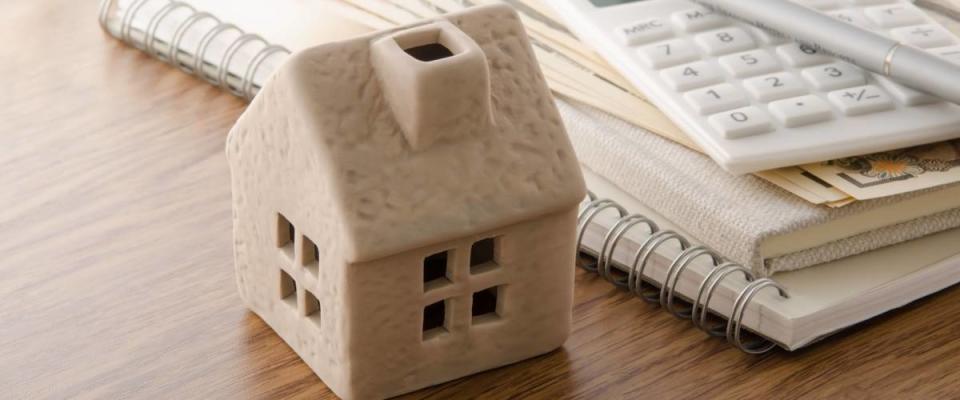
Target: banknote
x=893, y=172
x=807, y=186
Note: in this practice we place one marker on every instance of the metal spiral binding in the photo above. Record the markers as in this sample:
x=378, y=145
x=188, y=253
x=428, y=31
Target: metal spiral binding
x=677, y=267
x=245, y=88
x=587, y=214
x=664, y=296
x=698, y=314
x=734, y=325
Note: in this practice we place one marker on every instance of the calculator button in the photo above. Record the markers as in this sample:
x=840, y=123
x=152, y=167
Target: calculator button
x=801, y=55
x=895, y=16
x=861, y=100
x=775, y=86
x=768, y=37
x=668, y=53
x=698, y=19
x=750, y=63
x=692, y=76
x=852, y=17
x=800, y=111
x=741, y=122
x=717, y=98
x=923, y=36
x=821, y=5
x=725, y=41
x=644, y=31
x=871, y=2
x=951, y=54
x=835, y=76
x=905, y=95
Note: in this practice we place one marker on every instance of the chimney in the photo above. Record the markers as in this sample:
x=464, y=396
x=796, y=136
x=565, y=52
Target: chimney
x=436, y=82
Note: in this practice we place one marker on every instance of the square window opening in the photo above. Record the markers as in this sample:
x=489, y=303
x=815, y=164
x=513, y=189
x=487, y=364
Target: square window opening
x=483, y=255
x=434, y=318
x=435, y=270
x=288, y=289
x=485, y=303
x=311, y=255
x=285, y=232
x=311, y=307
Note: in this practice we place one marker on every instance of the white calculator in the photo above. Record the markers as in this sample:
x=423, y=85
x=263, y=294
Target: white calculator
x=755, y=101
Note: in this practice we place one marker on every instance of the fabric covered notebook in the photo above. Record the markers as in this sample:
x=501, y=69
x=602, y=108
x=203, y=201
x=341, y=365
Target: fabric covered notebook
x=743, y=217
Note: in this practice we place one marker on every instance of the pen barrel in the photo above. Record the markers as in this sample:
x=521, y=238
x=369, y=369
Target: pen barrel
x=918, y=69
x=810, y=27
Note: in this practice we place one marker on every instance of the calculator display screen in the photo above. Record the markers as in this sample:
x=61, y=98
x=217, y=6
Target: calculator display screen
x=607, y=3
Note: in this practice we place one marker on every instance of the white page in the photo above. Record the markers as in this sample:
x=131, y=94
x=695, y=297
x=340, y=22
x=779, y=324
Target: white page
x=236, y=62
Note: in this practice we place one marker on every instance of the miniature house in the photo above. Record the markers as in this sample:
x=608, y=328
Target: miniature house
x=405, y=205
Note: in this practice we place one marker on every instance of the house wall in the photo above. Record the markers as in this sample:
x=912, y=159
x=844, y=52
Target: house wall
x=276, y=170
x=535, y=271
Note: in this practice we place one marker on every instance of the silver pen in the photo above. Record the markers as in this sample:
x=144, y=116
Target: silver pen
x=904, y=64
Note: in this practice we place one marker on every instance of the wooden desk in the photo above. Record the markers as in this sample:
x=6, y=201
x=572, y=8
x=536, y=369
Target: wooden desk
x=116, y=276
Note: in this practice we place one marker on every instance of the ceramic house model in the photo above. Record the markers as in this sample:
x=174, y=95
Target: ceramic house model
x=405, y=205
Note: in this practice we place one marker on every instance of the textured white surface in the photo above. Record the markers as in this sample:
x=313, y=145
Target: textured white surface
x=321, y=146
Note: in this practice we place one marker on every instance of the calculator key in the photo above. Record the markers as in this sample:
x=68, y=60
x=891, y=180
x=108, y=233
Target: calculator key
x=835, y=76
x=691, y=76
x=777, y=86
x=905, y=95
x=717, y=98
x=698, y=19
x=644, y=31
x=821, y=5
x=895, y=15
x=861, y=100
x=750, y=63
x=801, y=55
x=768, y=37
x=741, y=122
x=800, y=111
x=923, y=36
x=951, y=54
x=871, y=2
x=668, y=53
x=725, y=41
x=852, y=17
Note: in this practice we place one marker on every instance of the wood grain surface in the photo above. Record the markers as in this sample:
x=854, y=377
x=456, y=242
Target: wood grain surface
x=116, y=277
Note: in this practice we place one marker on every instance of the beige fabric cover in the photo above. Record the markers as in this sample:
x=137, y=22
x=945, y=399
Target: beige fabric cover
x=732, y=214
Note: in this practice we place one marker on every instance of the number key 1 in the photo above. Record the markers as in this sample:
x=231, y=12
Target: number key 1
x=717, y=98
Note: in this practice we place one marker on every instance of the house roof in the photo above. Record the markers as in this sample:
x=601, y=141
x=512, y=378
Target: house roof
x=392, y=197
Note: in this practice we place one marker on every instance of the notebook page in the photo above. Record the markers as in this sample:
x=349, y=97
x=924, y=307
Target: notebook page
x=154, y=25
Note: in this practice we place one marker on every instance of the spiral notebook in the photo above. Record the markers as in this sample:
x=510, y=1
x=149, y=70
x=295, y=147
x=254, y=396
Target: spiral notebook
x=638, y=250
x=634, y=248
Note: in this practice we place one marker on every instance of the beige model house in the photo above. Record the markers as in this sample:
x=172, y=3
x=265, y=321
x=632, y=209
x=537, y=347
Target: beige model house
x=405, y=205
